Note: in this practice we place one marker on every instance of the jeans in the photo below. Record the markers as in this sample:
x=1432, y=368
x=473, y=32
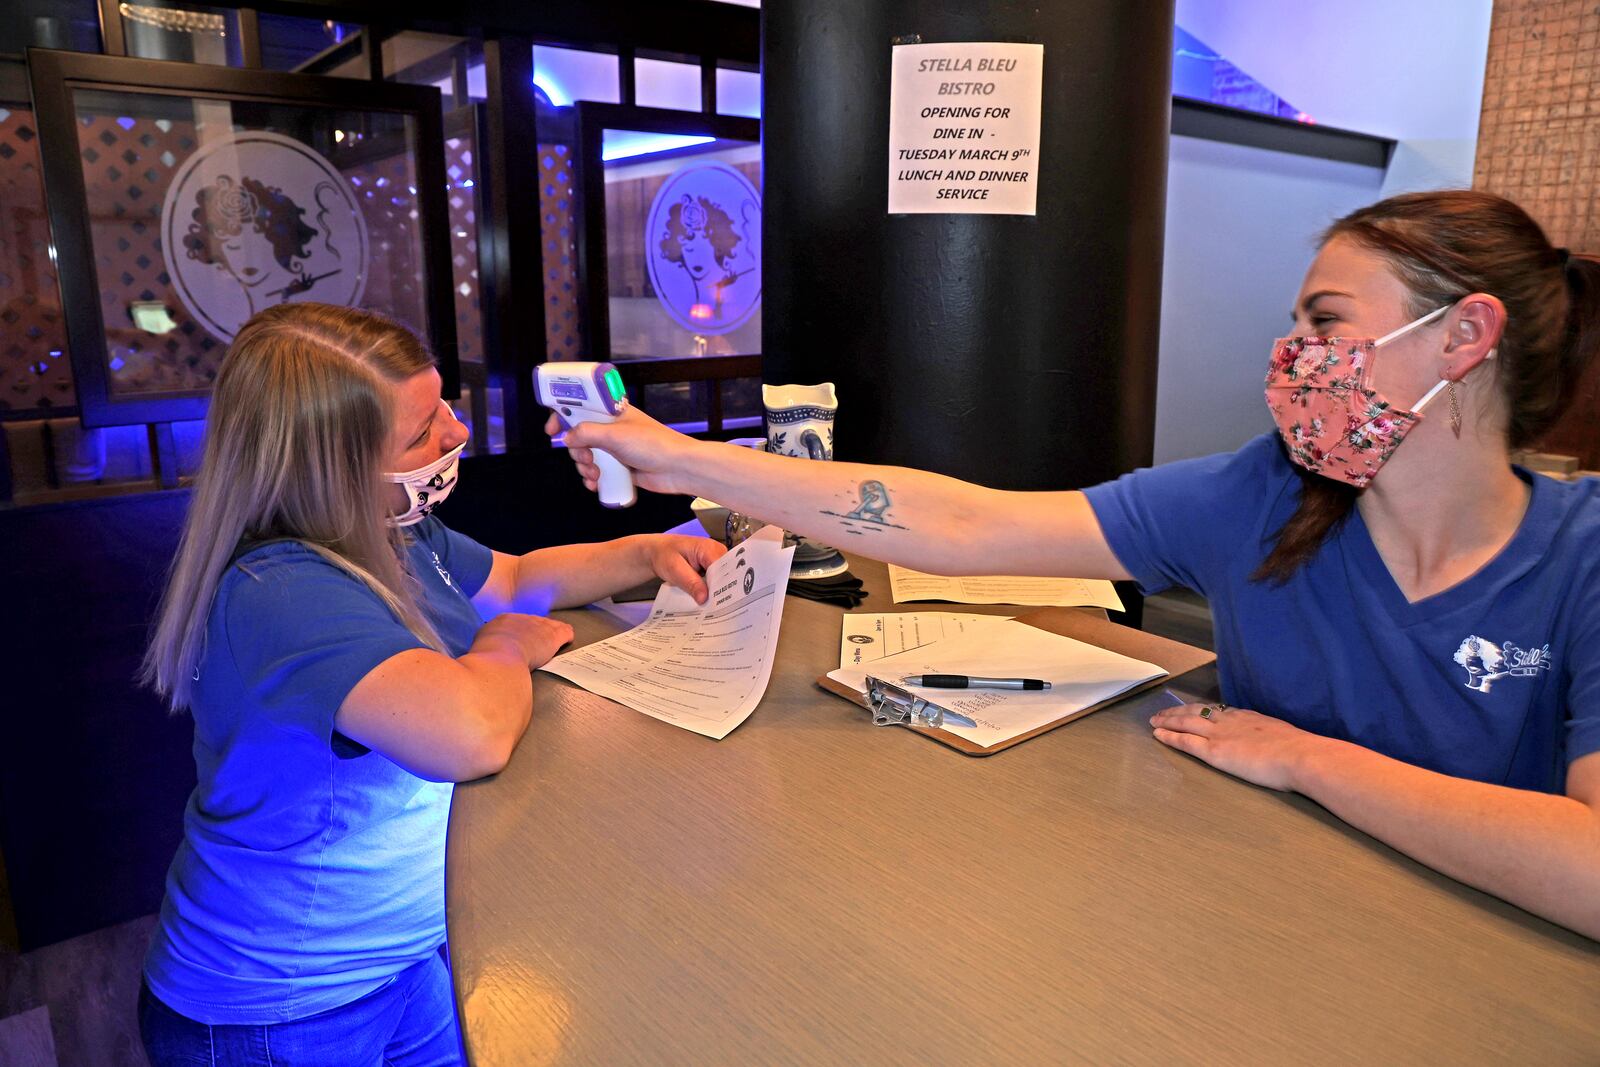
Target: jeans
x=411, y=1022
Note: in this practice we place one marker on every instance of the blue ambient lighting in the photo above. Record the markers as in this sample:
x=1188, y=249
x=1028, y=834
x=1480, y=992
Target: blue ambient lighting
x=623, y=144
x=1200, y=73
x=558, y=96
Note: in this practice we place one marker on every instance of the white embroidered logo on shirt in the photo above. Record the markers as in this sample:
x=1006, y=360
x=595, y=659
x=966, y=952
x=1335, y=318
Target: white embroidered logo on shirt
x=439, y=566
x=1486, y=662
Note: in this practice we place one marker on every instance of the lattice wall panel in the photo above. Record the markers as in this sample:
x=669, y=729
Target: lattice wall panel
x=385, y=190
x=128, y=163
x=35, y=373
x=1539, y=135
x=461, y=174
x=558, y=234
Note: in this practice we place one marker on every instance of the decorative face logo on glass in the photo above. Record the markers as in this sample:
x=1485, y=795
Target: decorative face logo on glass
x=256, y=219
x=703, y=247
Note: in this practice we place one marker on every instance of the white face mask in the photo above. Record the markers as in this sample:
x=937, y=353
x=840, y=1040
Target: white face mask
x=427, y=486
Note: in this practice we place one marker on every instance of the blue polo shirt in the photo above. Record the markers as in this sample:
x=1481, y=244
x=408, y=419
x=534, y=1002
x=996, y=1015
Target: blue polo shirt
x=311, y=869
x=1495, y=679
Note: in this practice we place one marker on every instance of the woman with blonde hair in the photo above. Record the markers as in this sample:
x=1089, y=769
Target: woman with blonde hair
x=346, y=658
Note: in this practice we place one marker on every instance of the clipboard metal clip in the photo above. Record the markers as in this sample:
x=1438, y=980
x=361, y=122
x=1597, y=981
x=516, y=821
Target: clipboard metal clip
x=893, y=705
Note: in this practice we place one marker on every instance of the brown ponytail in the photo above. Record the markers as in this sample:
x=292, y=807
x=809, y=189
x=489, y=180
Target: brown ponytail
x=1445, y=246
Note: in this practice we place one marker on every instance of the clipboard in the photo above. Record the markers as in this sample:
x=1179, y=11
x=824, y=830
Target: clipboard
x=1174, y=657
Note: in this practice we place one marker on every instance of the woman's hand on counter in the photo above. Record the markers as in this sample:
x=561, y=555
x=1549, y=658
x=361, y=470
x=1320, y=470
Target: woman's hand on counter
x=453, y=719
x=1244, y=743
x=1540, y=851
x=531, y=638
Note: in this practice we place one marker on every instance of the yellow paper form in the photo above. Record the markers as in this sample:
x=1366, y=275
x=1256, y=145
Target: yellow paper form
x=909, y=585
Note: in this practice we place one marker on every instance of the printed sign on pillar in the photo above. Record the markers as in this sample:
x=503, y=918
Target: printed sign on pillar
x=964, y=128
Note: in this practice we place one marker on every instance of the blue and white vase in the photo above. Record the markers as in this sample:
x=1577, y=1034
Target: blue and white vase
x=800, y=423
x=800, y=419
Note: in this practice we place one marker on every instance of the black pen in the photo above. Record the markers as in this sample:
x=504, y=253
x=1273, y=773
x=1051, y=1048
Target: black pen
x=963, y=681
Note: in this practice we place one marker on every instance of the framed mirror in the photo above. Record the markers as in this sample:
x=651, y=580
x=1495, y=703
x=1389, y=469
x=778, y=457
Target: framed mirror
x=669, y=252
x=184, y=198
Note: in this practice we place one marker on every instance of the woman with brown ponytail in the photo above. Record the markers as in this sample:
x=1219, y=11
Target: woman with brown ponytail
x=1416, y=625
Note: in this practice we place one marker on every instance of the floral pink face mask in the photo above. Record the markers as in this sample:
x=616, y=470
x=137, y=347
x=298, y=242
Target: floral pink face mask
x=1333, y=422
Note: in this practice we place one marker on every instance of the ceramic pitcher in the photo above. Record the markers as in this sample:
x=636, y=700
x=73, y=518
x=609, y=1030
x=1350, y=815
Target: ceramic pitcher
x=800, y=423
x=800, y=419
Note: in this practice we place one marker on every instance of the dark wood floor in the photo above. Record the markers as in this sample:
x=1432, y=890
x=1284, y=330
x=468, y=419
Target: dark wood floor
x=77, y=995
x=72, y=1002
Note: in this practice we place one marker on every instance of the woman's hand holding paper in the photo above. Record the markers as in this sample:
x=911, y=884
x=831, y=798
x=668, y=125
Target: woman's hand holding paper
x=681, y=561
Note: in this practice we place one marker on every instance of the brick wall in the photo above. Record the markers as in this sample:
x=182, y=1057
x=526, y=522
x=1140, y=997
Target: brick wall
x=1539, y=144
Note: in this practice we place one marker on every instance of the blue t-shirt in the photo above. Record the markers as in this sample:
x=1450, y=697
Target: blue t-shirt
x=311, y=870
x=1495, y=679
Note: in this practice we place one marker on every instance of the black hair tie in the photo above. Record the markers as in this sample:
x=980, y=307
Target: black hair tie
x=1562, y=257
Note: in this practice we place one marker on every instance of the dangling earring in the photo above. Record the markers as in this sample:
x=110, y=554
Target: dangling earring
x=1455, y=410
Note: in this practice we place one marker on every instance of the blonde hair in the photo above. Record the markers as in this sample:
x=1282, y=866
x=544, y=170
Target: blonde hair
x=294, y=446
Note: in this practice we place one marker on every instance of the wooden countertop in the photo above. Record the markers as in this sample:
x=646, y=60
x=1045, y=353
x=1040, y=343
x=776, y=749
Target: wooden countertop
x=816, y=890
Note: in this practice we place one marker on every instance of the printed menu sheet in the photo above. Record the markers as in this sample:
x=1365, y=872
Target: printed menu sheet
x=703, y=667
x=1080, y=675
x=868, y=637
x=910, y=585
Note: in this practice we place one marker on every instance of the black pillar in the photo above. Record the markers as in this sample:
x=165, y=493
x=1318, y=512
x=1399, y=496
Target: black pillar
x=1015, y=351
x=512, y=290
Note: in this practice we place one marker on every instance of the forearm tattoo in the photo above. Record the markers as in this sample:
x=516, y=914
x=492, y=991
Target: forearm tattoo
x=871, y=512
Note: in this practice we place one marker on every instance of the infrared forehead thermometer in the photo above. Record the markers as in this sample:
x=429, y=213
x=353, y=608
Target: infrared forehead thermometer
x=589, y=392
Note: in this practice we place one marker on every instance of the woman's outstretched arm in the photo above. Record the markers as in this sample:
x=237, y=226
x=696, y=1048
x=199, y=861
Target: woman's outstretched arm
x=925, y=521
